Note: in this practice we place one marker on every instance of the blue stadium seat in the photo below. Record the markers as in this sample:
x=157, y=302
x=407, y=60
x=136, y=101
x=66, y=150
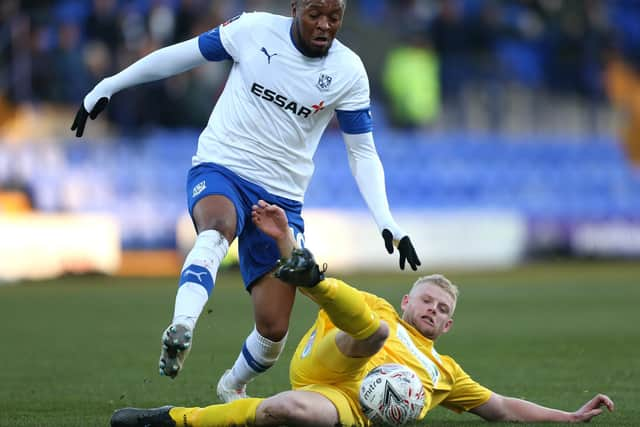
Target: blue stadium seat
x=540, y=176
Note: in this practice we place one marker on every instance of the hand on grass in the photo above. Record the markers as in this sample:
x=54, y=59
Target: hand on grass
x=593, y=408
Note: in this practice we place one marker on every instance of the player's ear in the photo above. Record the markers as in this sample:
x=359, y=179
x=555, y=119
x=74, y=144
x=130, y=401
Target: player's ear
x=294, y=8
x=404, y=302
x=447, y=326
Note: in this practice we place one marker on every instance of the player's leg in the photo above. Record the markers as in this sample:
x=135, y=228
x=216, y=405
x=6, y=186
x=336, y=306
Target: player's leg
x=292, y=408
x=363, y=334
x=215, y=219
x=295, y=408
x=319, y=366
x=272, y=303
x=212, y=204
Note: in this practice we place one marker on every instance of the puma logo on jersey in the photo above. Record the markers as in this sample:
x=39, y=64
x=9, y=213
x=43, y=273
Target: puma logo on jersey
x=284, y=102
x=264, y=50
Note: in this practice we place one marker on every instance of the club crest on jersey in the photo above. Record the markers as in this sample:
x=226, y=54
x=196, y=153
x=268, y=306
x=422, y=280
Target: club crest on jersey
x=199, y=188
x=324, y=81
x=307, y=348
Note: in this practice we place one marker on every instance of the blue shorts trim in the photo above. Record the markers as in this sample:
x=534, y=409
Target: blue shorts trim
x=258, y=253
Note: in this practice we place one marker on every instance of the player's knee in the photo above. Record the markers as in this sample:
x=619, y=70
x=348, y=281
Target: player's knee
x=216, y=212
x=288, y=408
x=224, y=226
x=273, y=329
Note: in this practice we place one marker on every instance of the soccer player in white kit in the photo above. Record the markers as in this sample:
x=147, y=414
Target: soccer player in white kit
x=289, y=76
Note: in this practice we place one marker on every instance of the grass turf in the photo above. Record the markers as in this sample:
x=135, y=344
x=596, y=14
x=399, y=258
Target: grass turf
x=75, y=349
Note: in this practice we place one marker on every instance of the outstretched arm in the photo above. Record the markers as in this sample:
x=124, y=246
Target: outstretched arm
x=502, y=408
x=159, y=64
x=367, y=170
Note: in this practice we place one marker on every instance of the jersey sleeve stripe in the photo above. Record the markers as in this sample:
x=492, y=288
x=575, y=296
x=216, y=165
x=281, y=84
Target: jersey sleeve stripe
x=355, y=122
x=211, y=46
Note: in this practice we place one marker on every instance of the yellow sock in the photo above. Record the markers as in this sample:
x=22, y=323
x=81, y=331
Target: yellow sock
x=345, y=306
x=238, y=413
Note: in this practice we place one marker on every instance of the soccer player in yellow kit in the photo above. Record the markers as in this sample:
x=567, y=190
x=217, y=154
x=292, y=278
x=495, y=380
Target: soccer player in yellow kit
x=354, y=332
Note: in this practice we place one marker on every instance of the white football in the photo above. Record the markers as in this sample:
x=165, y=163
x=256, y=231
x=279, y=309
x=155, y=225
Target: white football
x=391, y=394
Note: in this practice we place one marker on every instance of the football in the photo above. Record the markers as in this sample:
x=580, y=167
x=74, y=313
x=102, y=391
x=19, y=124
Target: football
x=392, y=395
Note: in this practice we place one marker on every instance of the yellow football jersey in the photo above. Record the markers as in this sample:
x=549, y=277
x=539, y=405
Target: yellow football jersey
x=318, y=365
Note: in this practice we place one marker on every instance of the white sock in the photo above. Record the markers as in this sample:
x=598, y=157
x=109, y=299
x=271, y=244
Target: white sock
x=198, y=276
x=258, y=354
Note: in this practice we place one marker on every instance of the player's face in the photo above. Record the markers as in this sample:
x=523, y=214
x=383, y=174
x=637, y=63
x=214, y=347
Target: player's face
x=315, y=24
x=428, y=308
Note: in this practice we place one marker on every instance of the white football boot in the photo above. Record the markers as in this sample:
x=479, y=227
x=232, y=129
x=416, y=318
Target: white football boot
x=176, y=344
x=228, y=394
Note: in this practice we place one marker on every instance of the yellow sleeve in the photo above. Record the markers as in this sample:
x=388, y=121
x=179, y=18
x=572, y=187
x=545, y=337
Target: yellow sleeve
x=465, y=393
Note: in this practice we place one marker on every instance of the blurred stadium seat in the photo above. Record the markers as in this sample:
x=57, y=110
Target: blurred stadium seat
x=540, y=177
x=520, y=128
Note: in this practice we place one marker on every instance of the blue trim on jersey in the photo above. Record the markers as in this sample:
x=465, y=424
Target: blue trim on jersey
x=253, y=363
x=197, y=274
x=355, y=122
x=211, y=46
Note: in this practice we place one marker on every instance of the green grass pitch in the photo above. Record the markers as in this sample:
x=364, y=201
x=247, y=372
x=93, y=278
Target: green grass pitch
x=73, y=350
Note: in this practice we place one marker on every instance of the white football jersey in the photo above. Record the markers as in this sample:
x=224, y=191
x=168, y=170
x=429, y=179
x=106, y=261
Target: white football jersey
x=276, y=104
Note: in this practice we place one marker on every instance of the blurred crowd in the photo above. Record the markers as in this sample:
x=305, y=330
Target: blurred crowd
x=53, y=52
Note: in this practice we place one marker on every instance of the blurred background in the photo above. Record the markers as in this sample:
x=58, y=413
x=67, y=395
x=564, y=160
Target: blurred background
x=509, y=132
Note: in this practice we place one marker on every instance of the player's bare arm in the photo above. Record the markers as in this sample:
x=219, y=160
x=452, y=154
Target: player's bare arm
x=502, y=408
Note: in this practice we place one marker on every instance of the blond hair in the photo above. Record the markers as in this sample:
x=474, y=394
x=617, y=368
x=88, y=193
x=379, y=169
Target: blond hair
x=443, y=283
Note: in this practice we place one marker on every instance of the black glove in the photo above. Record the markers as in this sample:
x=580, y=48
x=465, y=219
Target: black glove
x=82, y=114
x=405, y=247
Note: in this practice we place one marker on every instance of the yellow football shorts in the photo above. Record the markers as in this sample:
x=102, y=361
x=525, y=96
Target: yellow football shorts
x=319, y=366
